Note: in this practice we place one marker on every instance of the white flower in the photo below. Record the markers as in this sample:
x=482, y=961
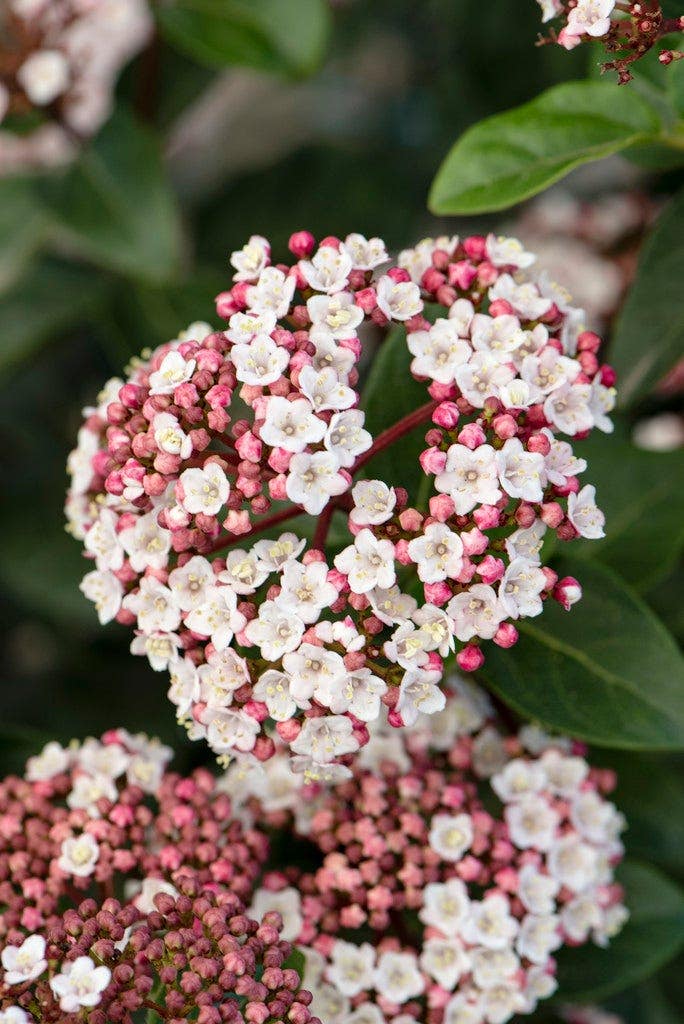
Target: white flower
x=416, y=261
x=329, y=355
x=539, y=985
x=470, y=478
x=538, y=937
x=80, y=460
x=561, y=462
x=79, y=855
x=224, y=672
x=444, y=960
x=25, y=962
x=462, y=313
x=391, y=606
x=436, y=624
x=273, y=554
x=313, y=771
x=259, y=361
x=594, y=818
x=584, y=514
x=360, y=694
x=580, y=916
x=504, y=252
x=450, y=836
x=501, y=1002
x=272, y=293
x=550, y=9
x=81, y=983
x=520, y=589
x=150, y=888
x=242, y=327
x=105, y=591
x=174, y=370
x=525, y=298
x=305, y=589
x=591, y=17
x=366, y=253
x=527, y=543
x=547, y=371
x=367, y=1013
x=419, y=693
x=374, y=503
x=397, y=977
x=367, y=563
x=518, y=779
x=337, y=312
x=490, y=923
x=492, y=967
x=438, y=553
x=329, y=1005
x=170, y=437
x=191, y=582
x=108, y=759
x=325, y=738
x=312, y=669
x=532, y=822
x=324, y=389
x=228, y=730
x=15, y=1015
x=573, y=863
x=398, y=300
x=438, y=352
x=499, y=336
x=328, y=270
x=287, y=903
x=204, y=490
x=291, y=425
x=522, y=473
x=446, y=906
x=160, y=649
x=103, y=542
x=568, y=408
x=273, y=689
x=464, y=1008
x=537, y=891
x=44, y=76
x=346, y=438
x=244, y=571
x=351, y=967
x=147, y=544
x=52, y=760
x=217, y=617
x=313, y=479
x=516, y=395
x=476, y=612
x=482, y=377
x=408, y=646
x=249, y=261
x=155, y=606
x=276, y=631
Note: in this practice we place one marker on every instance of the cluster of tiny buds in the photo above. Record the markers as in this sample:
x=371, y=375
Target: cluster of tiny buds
x=125, y=886
x=456, y=862
x=59, y=61
x=629, y=29
x=170, y=470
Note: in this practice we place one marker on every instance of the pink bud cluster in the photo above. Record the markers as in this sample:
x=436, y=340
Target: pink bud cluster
x=627, y=30
x=216, y=429
x=125, y=886
x=59, y=61
x=456, y=862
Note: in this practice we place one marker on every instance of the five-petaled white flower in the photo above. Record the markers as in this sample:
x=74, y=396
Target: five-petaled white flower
x=80, y=984
x=470, y=478
x=291, y=425
x=204, y=490
x=313, y=479
x=438, y=553
x=328, y=270
x=79, y=855
x=368, y=563
x=25, y=962
x=173, y=371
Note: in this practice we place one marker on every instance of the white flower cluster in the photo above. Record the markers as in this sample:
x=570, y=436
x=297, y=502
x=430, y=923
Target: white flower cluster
x=79, y=984
x=68, y=55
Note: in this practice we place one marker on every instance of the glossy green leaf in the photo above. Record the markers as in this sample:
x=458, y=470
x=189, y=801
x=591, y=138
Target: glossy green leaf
x=284, y=36
x=514, y=155
x=48, y=298
x=649, y=335
x=653, y=936
x=645, y=1004
x=642, y=496
x=116, y=208
x=607, y=671
x=23, y=226
x=390, y=393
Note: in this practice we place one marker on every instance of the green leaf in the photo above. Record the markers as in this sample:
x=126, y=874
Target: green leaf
x=284, y=36
x=649, y=334
x=390, y=393
x=48, y=298
x=642, y=497
x=23, y=226
x=116, y=208
x=512, y=156
x=607, y=671
x=653, y=935
x=645, y=1004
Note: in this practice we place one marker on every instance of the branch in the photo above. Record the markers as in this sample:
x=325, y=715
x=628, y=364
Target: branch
x=393, y=433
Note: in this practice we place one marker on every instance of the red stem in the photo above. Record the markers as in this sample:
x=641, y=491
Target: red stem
x=323, y=525
x=393, y=433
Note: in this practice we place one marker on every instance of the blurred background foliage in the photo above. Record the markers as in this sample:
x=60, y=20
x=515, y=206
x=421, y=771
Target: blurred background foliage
x=338, y=124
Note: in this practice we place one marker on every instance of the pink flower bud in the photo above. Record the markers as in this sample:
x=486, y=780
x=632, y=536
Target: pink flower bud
x=249, y=447
x=437, y=593
x=490, y=569
x=567, y=592
x=470, y=659
x=411, y=520
x=462, y=274
x=500, y=307
x=505, y=426
x=487, y=517
x=552, y=514
x=446, y=415
x=441, y=507
x=588, y=342
x=539, y=443
x=472, y=436
x=399, y=275
x=367, y=299
x=474, y=542
x=401, y=552
x=506, y=635
x=277, y=487
x=301, y=244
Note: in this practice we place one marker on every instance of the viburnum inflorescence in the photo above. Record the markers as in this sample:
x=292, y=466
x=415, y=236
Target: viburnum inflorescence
x=124, y=888
x=627, y=30
x=178, y=468
x=453, y=866
x=59, y=61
